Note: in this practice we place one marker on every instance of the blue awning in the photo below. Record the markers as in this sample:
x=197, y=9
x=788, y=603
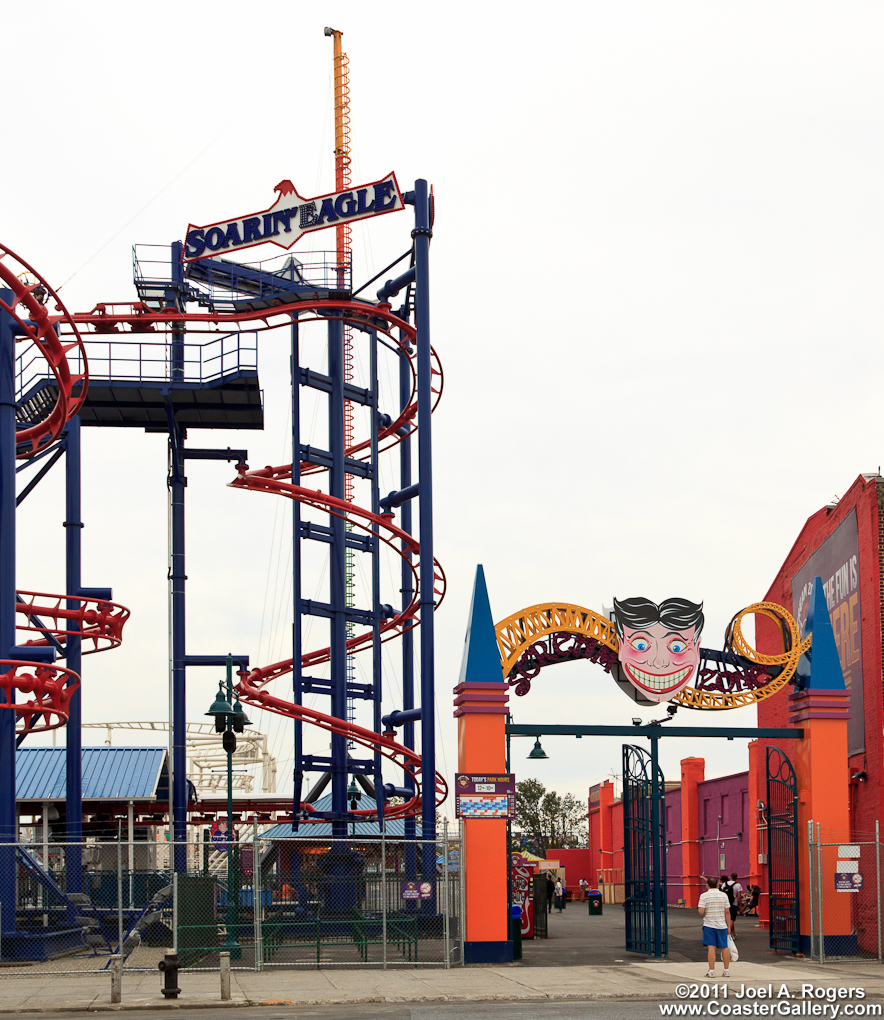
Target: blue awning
x=109, y=773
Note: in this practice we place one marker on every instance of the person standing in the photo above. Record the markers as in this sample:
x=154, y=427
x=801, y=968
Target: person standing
x=714, y=908
x=584, y=888
x=736, y=900
x=560, y=895
x=550, y=892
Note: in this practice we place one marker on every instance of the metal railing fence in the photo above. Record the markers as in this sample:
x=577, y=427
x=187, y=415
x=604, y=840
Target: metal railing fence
x=290, y=902
x=121, y=360
x=844, y=895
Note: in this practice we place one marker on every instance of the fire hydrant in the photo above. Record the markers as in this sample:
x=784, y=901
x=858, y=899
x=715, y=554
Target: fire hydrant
x=169, y=966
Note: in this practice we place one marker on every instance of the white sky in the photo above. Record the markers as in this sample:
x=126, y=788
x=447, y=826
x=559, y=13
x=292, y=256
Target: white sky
x=656, y=297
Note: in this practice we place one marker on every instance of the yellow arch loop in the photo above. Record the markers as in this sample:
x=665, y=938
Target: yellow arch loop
x=518, y=632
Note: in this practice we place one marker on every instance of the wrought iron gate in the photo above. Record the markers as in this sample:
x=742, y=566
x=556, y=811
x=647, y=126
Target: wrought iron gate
x=644, y=856
x=782, y=852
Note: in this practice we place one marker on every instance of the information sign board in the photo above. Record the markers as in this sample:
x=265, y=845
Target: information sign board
x=485, y=796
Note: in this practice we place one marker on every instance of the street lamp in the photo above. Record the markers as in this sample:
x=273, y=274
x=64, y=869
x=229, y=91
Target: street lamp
x=229, y=721
x=537, y=751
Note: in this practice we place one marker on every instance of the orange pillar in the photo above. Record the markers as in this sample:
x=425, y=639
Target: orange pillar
x=693, y=771
x=820, y=762
x=480, y=709
x=758, y=825
x=481, y=750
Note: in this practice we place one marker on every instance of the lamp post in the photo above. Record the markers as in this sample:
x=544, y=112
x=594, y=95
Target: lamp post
x=230, y=719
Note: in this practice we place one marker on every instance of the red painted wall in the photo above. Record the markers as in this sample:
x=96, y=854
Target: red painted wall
x=578, y=863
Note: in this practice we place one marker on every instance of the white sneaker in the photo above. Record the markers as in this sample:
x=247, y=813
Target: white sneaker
x=709, y=973
x=725, y=973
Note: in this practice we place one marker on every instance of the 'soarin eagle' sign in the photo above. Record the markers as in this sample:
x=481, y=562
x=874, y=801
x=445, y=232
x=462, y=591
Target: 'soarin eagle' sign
x=291, y=216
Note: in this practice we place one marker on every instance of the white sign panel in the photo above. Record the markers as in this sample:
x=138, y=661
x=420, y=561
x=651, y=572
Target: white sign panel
x=847, y=851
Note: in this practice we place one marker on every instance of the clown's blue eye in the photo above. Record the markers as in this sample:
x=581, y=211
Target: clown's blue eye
x=677, y=646
x=641, y=644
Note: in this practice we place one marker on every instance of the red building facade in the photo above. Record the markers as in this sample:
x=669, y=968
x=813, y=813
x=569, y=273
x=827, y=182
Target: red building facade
x=842, y=544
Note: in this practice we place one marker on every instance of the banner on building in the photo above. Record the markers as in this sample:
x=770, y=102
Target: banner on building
x=836, y=561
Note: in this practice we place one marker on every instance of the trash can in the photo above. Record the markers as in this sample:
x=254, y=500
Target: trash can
x=595, y=902
x=516, y=931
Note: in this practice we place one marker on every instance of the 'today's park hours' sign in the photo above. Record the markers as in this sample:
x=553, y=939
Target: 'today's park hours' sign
x=291, y=216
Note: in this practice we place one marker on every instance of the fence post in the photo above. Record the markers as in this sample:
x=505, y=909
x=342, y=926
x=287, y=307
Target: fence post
x=120, y=886
x=384, y=894
x=811, y=883
x=819, y=873
x=116, y=973
x=175, y=912
x=258, y=907
x=224, y=968
x=878, y=879
x=461, y=892
x=445, y=923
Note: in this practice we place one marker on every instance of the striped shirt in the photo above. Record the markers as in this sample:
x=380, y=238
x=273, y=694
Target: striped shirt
x=716, y=904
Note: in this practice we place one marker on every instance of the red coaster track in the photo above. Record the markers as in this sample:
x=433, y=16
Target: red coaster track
x=49, y=688
x=137, y=318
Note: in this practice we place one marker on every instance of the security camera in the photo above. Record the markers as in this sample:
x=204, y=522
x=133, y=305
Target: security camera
x=672, y=709
x=860, y=777
x=636, y=721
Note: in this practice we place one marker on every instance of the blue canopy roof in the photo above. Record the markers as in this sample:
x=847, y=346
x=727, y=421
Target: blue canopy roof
x=394, y=827
x=109, y=773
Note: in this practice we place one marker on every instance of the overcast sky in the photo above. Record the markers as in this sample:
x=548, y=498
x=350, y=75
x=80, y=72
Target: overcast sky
x=656, y=296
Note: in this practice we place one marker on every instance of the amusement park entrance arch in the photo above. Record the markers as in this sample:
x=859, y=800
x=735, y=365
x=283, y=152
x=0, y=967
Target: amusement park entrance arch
x=546, y=634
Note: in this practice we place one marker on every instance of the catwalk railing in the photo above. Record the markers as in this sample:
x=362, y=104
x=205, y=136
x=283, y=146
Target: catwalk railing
x=278, y=902
x=145, y=361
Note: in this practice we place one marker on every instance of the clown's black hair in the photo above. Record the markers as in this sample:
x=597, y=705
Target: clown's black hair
x=676, y=614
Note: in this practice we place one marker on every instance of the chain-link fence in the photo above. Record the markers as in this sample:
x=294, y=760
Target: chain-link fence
x=269, y=902
x=844, y=895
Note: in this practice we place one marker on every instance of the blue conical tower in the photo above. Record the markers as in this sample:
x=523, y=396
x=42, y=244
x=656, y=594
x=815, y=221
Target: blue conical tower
x=825, y=666
x=481, y=656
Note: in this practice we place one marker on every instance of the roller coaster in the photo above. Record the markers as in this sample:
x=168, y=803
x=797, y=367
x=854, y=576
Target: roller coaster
x=147, y=372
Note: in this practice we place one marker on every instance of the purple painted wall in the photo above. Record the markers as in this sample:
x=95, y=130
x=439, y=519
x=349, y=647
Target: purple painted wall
x=724, y=845
x=673, y=846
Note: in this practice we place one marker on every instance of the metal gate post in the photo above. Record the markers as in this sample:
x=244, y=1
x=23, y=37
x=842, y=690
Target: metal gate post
x=878, y=879
x=120, y=887
x=811, y=883
x=257, y=908
x=656, y=870
x=819, y=873
x=461, y=892
x=445, y=923
x=384, y=894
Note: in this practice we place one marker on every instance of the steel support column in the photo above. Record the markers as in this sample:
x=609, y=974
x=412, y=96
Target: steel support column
x=177, y=652
x=73, y=660
x=406, y=524
x=337, y=574
x=297, y=672
x=422, y=234
x=7, y=611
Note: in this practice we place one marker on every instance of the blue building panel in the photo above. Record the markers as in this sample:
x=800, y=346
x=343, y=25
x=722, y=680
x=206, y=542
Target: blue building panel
x=109, y=773
x=394, y=828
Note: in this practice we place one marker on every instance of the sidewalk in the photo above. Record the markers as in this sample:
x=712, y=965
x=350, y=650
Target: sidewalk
x=634, y=981
x=583, y=959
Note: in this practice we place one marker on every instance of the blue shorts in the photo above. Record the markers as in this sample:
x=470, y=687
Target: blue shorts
x=715, y=937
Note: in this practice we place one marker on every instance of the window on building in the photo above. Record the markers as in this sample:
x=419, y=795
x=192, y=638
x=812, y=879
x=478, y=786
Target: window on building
x=725, y=809
x=705, y=816
x=744, y=812
x=668, y=818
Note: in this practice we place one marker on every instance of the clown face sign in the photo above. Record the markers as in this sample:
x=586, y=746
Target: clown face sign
x=659, y=645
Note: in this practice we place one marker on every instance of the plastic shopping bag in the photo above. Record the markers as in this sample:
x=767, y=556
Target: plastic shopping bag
x=732, y=946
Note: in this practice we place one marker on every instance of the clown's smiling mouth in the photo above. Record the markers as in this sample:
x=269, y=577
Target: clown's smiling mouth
x=657, y=681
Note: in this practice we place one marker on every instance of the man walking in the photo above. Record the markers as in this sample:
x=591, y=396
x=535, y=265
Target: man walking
x=714, y=908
